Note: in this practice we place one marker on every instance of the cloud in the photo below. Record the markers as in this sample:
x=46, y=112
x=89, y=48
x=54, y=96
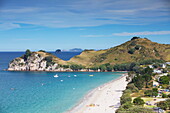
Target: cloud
x=132, y=34
x=95, y=35
x=21, y=10
x=8, y=26
x=142, y=33
x=57, y=14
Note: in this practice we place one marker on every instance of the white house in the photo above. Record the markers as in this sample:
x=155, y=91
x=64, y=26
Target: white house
x=157, y=71
x=155, y=84
x=150, y=66
x=163, y=65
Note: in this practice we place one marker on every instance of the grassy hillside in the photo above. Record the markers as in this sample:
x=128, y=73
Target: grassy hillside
x=132, y=51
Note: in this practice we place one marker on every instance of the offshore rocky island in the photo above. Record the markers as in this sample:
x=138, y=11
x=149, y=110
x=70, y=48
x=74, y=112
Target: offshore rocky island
x=136, y=50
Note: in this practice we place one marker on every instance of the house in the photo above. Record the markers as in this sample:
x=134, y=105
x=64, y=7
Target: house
x=151, y=66
x=155, y=84
x=157, y=71
x=163, y=65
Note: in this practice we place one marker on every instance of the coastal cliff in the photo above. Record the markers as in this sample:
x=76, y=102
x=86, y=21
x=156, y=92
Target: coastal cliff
x=36, y=61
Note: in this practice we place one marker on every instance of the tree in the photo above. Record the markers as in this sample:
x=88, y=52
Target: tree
x=76, y=67
x=132, y=87
x=135, y=109
x=138, y=101
x=138, y=81
x=155, y=92
x=135, y=37
x=148, y=93
x=164, y=80
x=27, y=54
x=162, y=105
x=147, y=78
x=125, y=98
x=164, y=95
x=131, y=51
x=102, y=67
x=127, y=105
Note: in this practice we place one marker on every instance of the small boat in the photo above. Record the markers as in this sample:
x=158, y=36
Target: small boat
x=56, y=76
x=91, y=75
x=61, y=80
x=75, y=75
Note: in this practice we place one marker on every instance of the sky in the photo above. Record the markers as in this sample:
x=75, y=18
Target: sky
x=86, y=24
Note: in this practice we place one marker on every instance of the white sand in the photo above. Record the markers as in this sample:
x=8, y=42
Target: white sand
x=105, y=99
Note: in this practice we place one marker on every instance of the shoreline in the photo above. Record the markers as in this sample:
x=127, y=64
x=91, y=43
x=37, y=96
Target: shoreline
x=91, y=104
x=57, y=71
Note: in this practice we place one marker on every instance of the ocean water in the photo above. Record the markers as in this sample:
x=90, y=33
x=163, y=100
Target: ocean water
x=40, y=92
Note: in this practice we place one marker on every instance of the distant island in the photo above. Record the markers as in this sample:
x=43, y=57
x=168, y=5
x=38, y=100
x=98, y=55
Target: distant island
x=119, y=58
x=76, y=50
x=58, y=51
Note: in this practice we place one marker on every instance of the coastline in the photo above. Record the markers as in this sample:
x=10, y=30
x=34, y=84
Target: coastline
x=103, y=99
x=58, y=71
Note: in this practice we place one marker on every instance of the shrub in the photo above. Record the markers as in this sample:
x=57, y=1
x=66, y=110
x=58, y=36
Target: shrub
x=48, y=58
x=127, y=105
x=148, y=93
x=138, y=101
x=132, y=87
x=125, y=98
x=131, y=51
x=164, y=95
x=137, y=47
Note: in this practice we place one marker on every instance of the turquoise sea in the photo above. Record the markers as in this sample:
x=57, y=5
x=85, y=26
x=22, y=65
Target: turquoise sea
x=41, y=92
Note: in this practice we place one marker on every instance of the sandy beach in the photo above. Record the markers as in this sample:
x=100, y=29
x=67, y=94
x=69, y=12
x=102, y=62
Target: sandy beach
x=104, y=99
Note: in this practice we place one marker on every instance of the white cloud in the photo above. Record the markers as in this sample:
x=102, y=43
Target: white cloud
x=21, y=10
x=132, y=34
x=95, y=35
x=8, y=26
x=85, y=13
x=142, y=33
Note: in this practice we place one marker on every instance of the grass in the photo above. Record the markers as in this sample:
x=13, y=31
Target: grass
x=140, y=93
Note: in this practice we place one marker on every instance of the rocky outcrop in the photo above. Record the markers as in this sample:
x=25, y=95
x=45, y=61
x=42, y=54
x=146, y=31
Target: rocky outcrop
x=35, y=62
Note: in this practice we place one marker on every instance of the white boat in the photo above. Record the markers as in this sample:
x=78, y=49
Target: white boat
x=91, y=75
x=56, y=76
x=75, y=75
